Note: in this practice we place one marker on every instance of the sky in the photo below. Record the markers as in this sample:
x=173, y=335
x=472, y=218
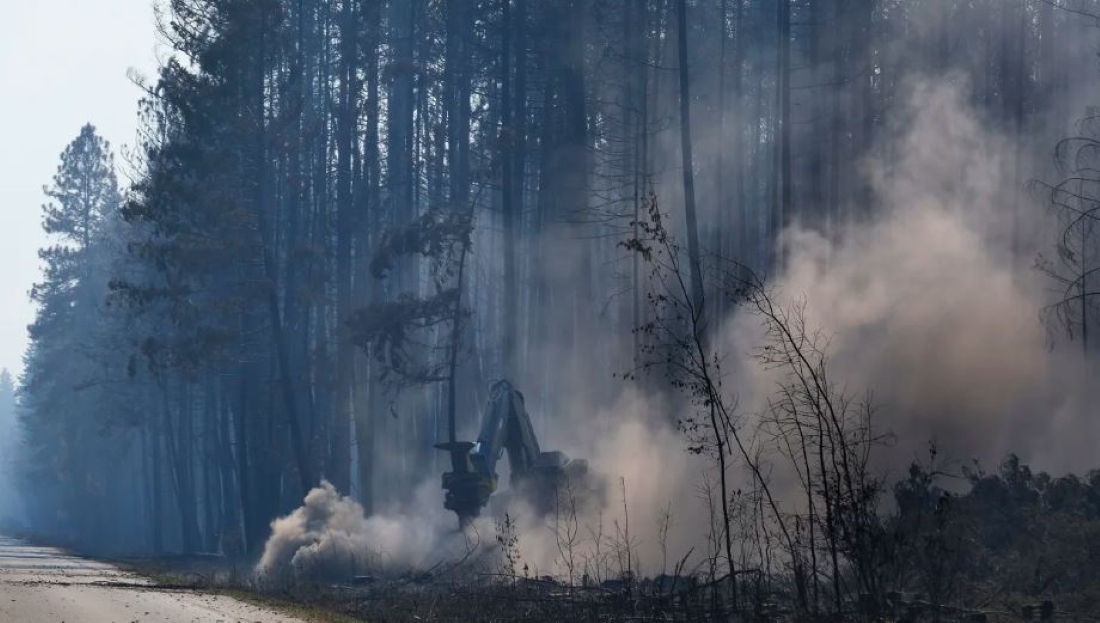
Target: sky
x=62, y=64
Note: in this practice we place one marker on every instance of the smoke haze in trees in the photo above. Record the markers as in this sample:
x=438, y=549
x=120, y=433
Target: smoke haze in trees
x=926, y=307
x=190, y=377
x=926, y=312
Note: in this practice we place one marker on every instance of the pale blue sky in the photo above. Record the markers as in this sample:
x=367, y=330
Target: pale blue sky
x=62, y=64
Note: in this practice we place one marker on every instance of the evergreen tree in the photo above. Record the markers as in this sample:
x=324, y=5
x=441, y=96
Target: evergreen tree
x=9, y=502
x=7, y=414
x=62, y=370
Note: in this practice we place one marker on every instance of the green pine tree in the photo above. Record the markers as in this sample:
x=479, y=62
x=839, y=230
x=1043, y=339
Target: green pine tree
x=56, y=464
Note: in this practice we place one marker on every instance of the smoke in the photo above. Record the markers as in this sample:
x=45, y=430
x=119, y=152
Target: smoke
x=639, y=462
x=330, y=537
x=326, y=526
x=930, y=307
x=930, y=304
x=638, y=469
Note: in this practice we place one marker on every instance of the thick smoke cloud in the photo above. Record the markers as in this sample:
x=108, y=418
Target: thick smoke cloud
x=635, y=456
x=931, y=305
x=330, y=536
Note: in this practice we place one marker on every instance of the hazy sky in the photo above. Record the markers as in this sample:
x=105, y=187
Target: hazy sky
x=62, y=64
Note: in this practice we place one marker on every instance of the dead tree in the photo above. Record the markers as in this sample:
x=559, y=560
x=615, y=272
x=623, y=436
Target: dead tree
x=825, y=435
x=1075, y=200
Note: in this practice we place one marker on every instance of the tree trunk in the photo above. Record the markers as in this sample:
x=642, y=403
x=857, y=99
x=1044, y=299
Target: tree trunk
x=366, y=422
x=270, y=267
x=694, y=253
x=339, y=472
x=784, y=96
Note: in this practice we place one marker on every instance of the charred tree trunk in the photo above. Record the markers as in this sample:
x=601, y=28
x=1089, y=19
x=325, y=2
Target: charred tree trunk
x=339, y=472
x=366, y=424
x=694, y=253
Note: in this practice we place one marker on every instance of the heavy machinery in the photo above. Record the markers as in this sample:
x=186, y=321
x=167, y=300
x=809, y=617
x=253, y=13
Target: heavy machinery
x=536, y=476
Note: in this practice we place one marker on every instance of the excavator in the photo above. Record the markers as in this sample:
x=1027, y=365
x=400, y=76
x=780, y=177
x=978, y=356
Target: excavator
x=536, y=476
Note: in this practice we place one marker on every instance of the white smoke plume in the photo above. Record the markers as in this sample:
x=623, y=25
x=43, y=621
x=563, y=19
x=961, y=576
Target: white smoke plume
x=931, y=305
x=632, y=451
x=330, y=537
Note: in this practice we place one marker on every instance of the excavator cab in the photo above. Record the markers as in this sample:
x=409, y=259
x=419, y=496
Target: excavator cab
x=536, y=476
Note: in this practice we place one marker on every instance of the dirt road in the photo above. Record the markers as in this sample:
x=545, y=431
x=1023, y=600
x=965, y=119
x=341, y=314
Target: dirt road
x=45, y=585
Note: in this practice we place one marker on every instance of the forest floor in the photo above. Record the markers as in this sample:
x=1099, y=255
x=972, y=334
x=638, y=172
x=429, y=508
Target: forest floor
x=466, y=593
x=469, y=592
x=462, y=593
x=421, y=596
x=472, y=593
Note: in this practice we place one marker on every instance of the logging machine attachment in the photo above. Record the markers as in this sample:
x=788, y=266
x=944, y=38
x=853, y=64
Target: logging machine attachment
x=535, y=475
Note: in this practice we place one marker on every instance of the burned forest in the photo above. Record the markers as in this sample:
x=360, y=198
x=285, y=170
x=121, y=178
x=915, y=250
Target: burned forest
x=576, y=310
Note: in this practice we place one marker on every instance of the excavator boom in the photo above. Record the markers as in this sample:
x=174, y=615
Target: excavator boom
x=505, y=427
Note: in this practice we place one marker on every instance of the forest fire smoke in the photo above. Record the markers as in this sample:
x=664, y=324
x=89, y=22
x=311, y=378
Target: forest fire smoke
x=927, y=310
x=326, y=528
x=930, y=306
x=510, y=310
x=639, y=460
x=330, y=536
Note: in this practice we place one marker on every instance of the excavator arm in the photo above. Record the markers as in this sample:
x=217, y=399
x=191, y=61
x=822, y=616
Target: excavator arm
x=505, y=428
